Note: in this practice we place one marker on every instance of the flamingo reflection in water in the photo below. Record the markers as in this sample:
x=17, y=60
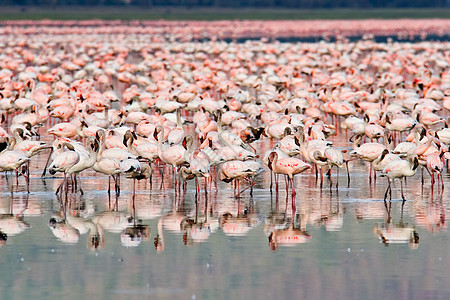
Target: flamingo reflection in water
x=396, y=233
x=133, y=235
x=11, y=224
x=286, y=236
x=238, y=225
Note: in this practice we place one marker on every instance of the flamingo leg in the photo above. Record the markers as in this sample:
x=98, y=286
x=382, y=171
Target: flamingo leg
x=61, y=185
x=321, y=176
x=401, y=186
x=387, y=190
x=271, y=183
x=286, y=183
x=276, y=182
x=116, y=178
x=348, y=174
x=238, y=187
x=196, y=188
x=294, y=208
x=46, y=164
x=337, y=178
x=251, y=183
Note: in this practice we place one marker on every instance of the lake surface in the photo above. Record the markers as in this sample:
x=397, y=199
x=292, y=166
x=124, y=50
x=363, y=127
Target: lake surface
x=343, y=243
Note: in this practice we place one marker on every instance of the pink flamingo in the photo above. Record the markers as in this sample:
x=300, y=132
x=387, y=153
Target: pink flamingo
x=400, y=169
x=111, y=167
x=11, y=160
x=64, y=163
x=235, y=170
x=200, y=166
x=289, y=166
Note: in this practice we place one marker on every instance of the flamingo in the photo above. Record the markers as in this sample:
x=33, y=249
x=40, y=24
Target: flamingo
x=235, y=170
x=368, y=151
x=288, y=166
x=435, y=165
x=400, y=169
x=200, y=166
x=175, y=155
x=176, y=135
x=11, y=160
x=64, y=162
x=132, y=168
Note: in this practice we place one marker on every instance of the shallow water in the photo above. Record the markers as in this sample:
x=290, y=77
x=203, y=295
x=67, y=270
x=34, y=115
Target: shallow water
x=225, y=247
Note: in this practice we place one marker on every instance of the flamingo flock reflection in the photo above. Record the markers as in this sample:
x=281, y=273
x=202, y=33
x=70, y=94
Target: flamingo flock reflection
x=171, y=111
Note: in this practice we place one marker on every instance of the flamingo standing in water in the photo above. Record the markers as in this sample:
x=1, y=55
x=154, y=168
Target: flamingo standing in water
x=234, y=170
x=200, y=166
x=435, y=165
x=174, y=155
x=400, y=169
x=289, y=166
x=64, y=163
x=111, y=167
x=11, y=160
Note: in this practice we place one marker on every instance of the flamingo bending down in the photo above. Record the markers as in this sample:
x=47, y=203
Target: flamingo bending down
x=11, y=160
x=400, y=169
x=64, y=162
x=132, y=168
x=435, y=165
x=288, y=166
x=234, y=170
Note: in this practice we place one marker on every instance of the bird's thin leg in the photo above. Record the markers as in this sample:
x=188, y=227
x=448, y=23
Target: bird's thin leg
x=348, y=174
x=196, y=188
x=329, y=177
x=271, y=183
x=422, y=179
x=401, y=187
x=390, y=192
x=293, y=197
x=321, y=176
x=60, y=186
x=294, y=193
x=387, y=190
x=276, y=182
x=10, y=182
x=151, y=175
x=238, y=187
x=116, y=184
x=134, y=190
x=337, y=178
x=26, y=177
x=286, y=183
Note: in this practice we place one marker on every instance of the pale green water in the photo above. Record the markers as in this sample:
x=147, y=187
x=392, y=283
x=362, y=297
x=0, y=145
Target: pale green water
x=342, y=259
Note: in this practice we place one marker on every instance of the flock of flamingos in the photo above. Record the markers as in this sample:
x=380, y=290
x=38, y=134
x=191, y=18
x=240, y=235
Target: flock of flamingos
x=134, y=104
